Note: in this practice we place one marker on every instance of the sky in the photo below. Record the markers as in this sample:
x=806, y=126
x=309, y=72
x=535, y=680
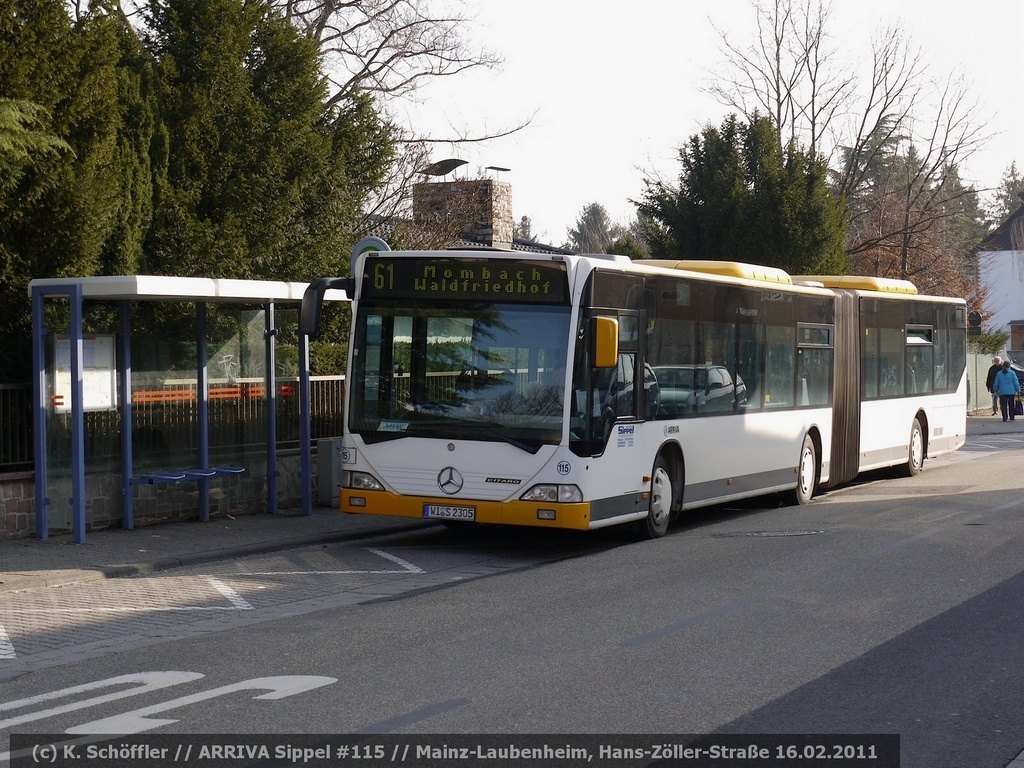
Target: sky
x=610, y=95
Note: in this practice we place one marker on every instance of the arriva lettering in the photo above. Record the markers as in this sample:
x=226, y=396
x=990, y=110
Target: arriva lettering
x=233, y=752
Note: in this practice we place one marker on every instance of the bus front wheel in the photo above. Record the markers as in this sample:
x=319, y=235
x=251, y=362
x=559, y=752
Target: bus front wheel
x=655, y=525
x=915, y=454
x=806, y=472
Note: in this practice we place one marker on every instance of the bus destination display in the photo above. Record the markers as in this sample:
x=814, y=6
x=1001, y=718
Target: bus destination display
x=431, y=279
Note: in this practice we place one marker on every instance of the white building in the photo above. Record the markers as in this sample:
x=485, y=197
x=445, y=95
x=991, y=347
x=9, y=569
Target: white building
x=1001, y=268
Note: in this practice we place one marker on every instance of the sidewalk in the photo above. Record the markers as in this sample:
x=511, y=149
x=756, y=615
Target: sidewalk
x=33, y=563
x=984, y=423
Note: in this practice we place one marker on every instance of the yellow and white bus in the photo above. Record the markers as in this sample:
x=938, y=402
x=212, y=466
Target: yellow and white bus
x=582, y=391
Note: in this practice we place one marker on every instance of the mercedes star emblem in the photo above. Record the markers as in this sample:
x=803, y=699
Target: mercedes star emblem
x=449, y=480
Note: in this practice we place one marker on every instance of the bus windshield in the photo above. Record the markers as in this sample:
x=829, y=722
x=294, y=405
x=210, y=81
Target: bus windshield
x=492, y=372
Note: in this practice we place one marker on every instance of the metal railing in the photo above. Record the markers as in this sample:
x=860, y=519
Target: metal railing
x=15, y=427
x=164, y=421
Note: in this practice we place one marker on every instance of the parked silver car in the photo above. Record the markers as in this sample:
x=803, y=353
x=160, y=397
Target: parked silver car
x=690, y=389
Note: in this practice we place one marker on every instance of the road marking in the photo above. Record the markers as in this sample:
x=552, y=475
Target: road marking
x=6, y=646
x=694, y=620
x=1008, y=505
x=139, y=720
x=238, y=603
x=148, y=681
x=411, y=718
x=900, y=544
x=236, y=599
x=136, y=721
x=398, y=561
x=128, y=609
x=407, y=567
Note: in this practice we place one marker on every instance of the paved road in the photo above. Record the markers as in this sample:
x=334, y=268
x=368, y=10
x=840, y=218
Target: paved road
x=887, y=604
x=93, y=617
x=199, y=578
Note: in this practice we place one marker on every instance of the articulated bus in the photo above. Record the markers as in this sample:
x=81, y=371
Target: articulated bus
x=583, y=391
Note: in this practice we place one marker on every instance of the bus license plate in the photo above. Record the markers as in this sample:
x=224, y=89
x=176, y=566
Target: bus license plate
x=448, y=512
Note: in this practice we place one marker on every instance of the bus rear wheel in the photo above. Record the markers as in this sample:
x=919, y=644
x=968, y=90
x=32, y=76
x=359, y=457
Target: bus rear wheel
x=655, y=525
x=915, y=454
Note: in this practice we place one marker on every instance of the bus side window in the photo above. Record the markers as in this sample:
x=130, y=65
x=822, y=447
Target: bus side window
x=894, y=364
x=780, y=371
x=621, y=394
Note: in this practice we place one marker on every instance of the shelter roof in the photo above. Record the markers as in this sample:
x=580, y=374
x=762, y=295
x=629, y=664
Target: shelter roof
x=165, y=288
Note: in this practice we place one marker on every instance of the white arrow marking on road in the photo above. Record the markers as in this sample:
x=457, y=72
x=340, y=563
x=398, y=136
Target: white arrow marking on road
x=138, y=720
x=148, y=681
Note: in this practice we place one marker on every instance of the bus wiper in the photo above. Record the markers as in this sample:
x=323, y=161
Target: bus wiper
x=520, y=444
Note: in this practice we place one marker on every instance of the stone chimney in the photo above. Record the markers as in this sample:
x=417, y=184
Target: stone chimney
x=479, y=210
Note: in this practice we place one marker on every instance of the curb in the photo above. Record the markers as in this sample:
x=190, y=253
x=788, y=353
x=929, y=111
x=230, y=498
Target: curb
x=243, y=550
x=19, y=581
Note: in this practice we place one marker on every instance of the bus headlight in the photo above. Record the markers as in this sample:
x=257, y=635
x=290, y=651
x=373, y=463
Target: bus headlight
x=361, y=481
x=563, y=494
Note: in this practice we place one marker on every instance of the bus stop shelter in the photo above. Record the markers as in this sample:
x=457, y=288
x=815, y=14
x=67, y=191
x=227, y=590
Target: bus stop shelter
x=98, y=376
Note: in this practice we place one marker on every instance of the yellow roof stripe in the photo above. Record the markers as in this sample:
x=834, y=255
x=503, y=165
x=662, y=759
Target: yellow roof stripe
x=860, y=283
x=728, y=268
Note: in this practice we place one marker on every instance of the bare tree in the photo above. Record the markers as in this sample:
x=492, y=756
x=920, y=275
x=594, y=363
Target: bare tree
x=384, y=47
x=894, y=148
x=387, y=46
x=911, y=216
x=787, y=73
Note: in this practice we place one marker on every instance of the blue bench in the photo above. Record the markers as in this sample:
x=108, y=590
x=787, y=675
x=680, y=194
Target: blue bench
x=178, y=475
x=200, y=474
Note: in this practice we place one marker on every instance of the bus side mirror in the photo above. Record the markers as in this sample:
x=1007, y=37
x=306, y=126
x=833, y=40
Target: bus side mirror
x=604, y=340
x=313, y=300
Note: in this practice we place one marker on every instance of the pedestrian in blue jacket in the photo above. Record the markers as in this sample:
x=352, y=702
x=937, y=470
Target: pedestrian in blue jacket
x=1007, y=386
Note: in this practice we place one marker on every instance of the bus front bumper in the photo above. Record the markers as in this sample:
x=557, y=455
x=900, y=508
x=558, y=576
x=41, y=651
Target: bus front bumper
x=570, y=516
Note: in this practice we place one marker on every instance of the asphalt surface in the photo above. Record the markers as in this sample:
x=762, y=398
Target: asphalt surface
x=30, y=563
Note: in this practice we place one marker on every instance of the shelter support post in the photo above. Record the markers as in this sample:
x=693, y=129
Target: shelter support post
x=203, y=409
x=77, y=419
x=125, y=392
x=305, y=427
x=39, y=414
x=270, y=387
x=73, y=292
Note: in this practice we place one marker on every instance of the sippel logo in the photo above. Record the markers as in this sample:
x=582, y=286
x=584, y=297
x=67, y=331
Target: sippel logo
x=449, y=480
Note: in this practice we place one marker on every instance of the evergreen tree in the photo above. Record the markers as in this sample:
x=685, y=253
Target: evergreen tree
x=1008, y=195
x=137, y=136
x=523, y=229
x=25, y=140
x=593, y=232
x=58, y=218
x=262, y=177
x=742, y=198
x=628, y=244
